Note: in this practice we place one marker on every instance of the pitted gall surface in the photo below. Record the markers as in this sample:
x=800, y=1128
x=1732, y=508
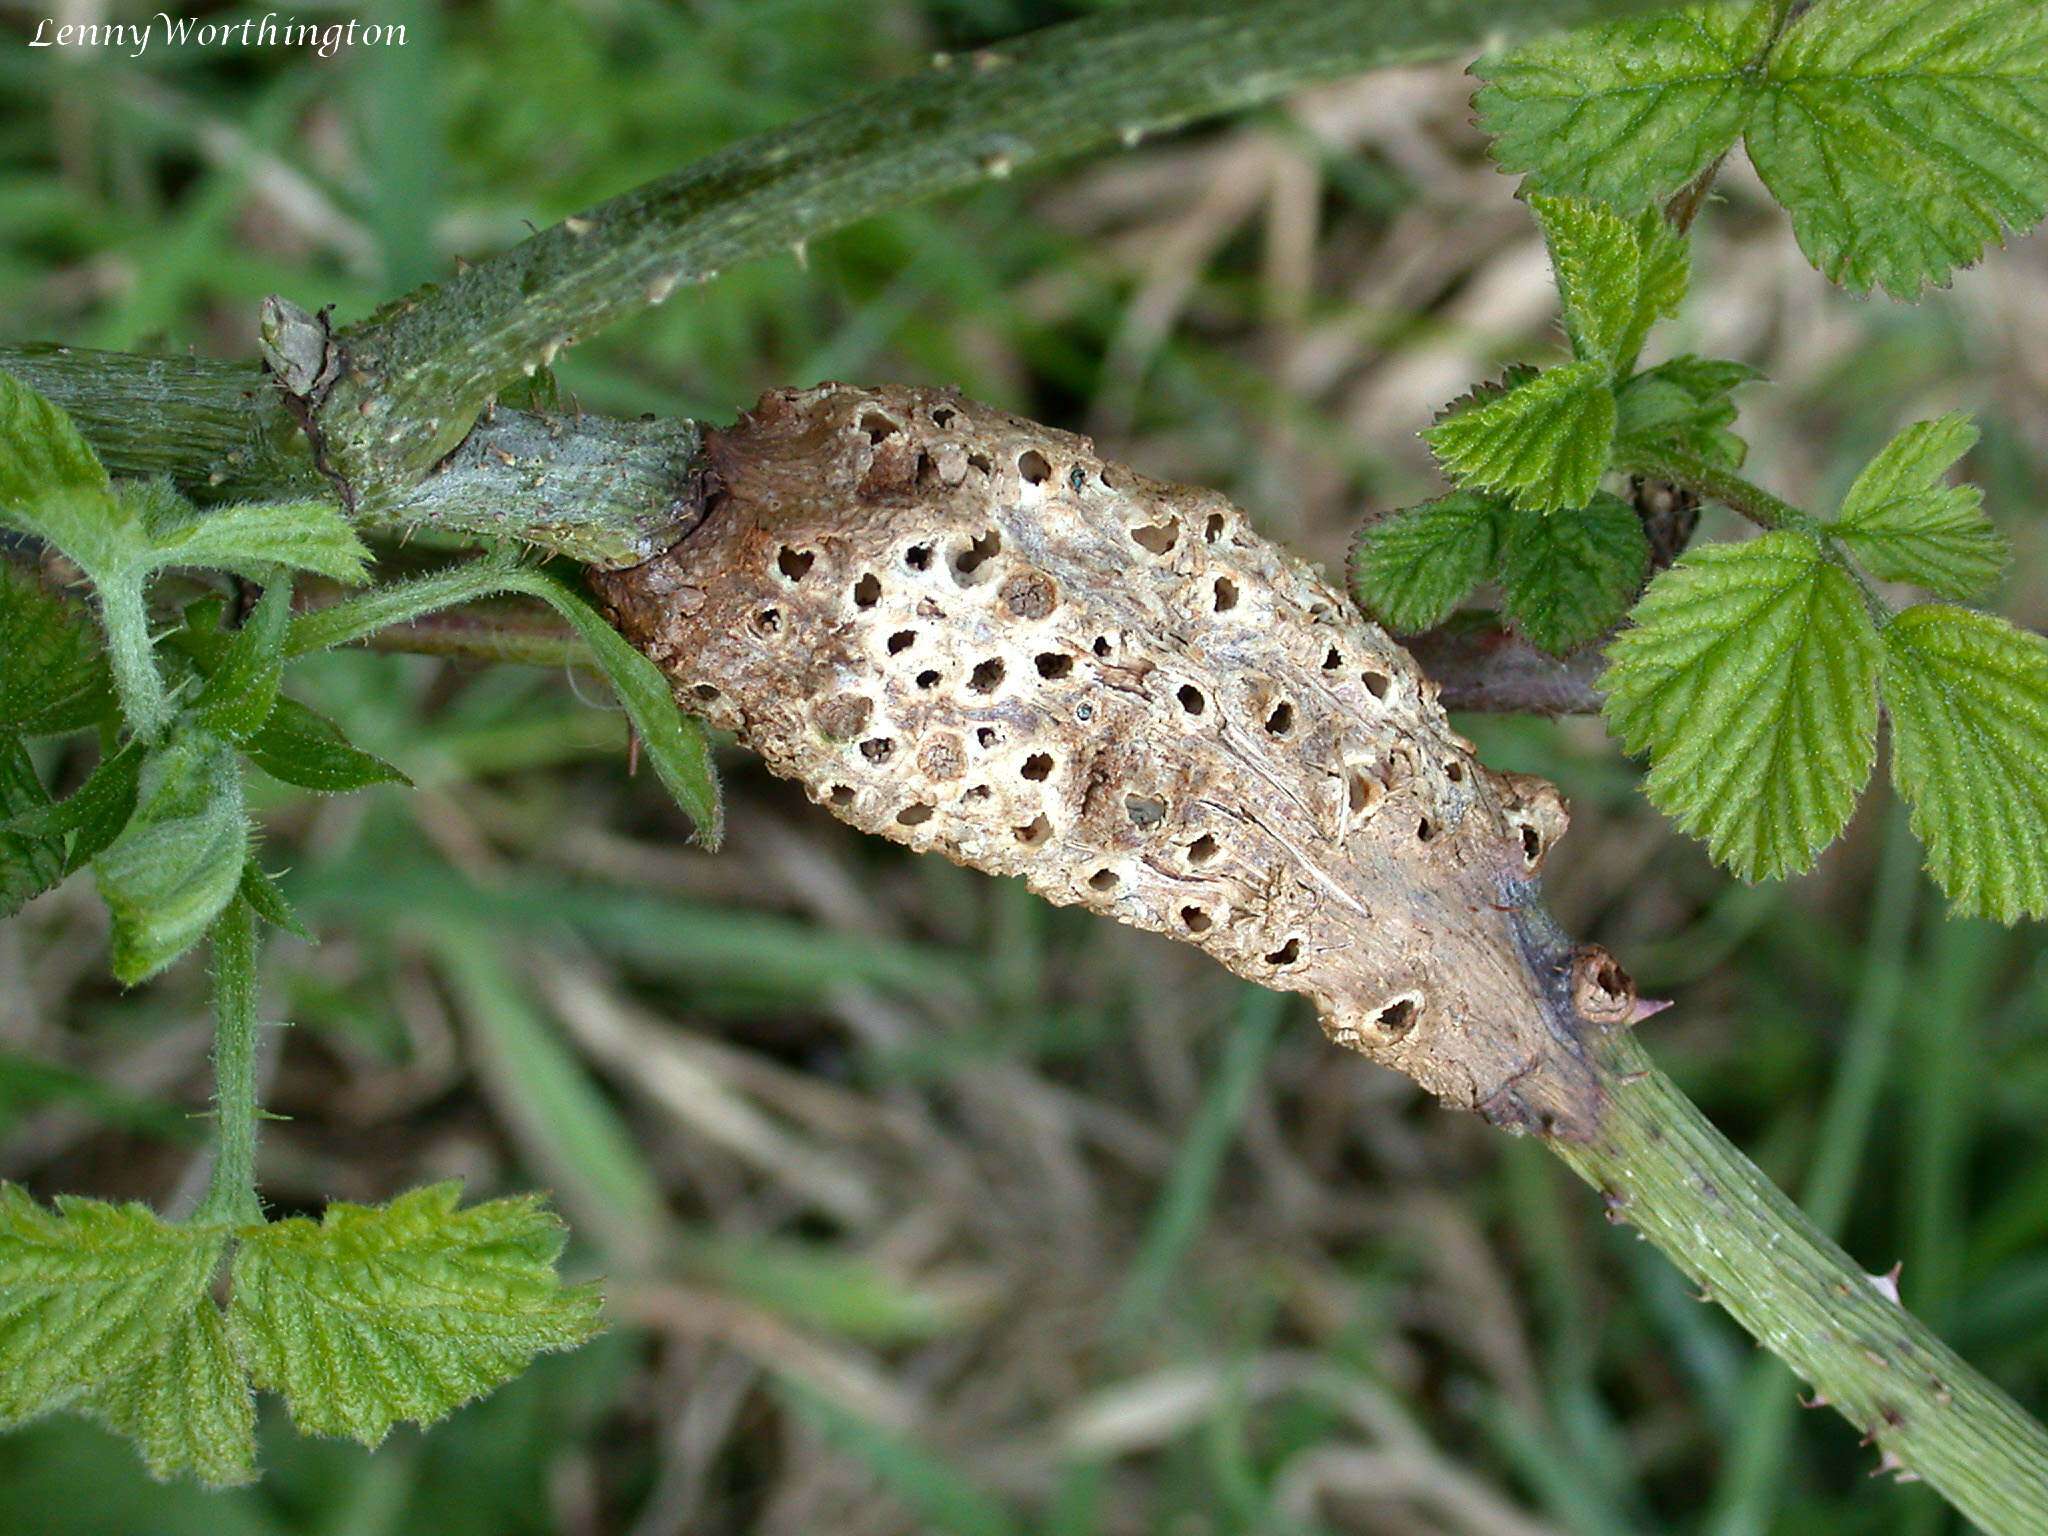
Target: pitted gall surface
x=968, y=633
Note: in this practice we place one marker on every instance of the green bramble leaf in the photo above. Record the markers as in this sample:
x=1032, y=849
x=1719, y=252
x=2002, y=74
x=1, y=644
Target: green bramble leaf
x=1902, y=136
x=302, y=747
x=1544, y=442
x=674, y=742
x=179, y=859
x=1667, y=274
x=1410, y=569
x=241, y=691
x=1597, y=267
x=248, y=538
x=41, y=453
x=268, y=902
x=54, y=489
x=55, y=679
x=1569, y=576
x=92, y=816
x=187, y=1406
x=1749, y=675
x=401, y=1313
x=89, y=1292
x=288, y=741
x=1684, y=403
x=31, y=859
x=1968, y=699
x=1616, y=277
x=1626, y=113
x=1906, y=524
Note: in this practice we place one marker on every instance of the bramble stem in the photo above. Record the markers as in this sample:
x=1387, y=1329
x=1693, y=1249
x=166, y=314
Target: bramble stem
x=1752, y=1477
x=1663, y=1168
x=231, y=1193
x=513, y=631
x=419, y=371
x=1714, y=483
x=598, y=489
x=1710, y=481
x=124, y=619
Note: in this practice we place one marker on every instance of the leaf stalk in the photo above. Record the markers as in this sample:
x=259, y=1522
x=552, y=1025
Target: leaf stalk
x=231, y=1198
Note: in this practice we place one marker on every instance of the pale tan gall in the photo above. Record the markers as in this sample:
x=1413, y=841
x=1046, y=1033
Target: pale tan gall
x=970, y=634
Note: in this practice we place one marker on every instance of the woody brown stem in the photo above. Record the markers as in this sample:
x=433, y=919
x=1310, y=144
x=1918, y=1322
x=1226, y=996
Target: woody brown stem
x=1484, y=668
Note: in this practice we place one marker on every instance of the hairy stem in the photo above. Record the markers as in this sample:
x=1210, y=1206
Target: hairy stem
x=514, y=631
x=1714, y=483
x=124, y=618
x=415, y=375
x=231, y=1194
x=1690, y=473
x=1664, y=1169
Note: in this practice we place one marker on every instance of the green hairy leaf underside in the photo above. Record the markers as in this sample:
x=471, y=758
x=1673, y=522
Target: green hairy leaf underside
x=379, y=1315
x=177, y=862
x=373, y=1316
x=89, y=1292
x=187, y=1407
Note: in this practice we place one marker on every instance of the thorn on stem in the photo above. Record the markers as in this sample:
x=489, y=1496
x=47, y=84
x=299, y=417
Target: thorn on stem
x=1887, y=1284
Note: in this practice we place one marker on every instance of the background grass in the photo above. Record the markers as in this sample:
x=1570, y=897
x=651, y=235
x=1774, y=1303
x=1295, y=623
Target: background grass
x=927, y=1207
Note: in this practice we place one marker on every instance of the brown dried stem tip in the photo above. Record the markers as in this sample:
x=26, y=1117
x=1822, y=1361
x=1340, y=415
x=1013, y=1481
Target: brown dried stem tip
x=968, y=633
